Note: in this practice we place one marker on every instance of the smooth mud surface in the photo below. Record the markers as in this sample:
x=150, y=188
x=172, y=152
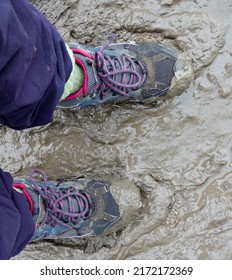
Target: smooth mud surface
x=177, y=152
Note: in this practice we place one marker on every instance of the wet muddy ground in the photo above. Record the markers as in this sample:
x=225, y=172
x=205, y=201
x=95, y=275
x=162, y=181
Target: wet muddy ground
x=177, y=151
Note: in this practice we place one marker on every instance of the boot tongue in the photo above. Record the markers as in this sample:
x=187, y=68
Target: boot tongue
x=88, y=66
x=38, y=211
x=119, y=72
x=68, y=205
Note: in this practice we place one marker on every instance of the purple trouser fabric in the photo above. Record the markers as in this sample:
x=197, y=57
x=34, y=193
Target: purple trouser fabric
x=34, y=66
x=16, y=225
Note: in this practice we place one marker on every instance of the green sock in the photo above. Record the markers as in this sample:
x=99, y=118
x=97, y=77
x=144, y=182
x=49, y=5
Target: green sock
x=76, y=78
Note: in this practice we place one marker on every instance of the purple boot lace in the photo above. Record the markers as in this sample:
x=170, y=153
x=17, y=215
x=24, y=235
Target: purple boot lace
x=62, y=205
x=117, y=73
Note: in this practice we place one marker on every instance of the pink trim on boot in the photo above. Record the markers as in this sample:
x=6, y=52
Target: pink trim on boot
x=23, y=189
x=83, y=89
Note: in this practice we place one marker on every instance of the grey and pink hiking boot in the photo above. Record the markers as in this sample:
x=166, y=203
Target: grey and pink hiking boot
x=78, y=208
x=118, y=72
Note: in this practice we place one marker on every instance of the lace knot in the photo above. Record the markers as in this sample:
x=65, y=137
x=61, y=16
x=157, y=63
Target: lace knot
x=119, y=74
x=63, y=205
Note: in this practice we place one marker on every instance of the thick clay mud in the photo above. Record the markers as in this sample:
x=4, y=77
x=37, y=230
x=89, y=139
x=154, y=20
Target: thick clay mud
x=177, y=151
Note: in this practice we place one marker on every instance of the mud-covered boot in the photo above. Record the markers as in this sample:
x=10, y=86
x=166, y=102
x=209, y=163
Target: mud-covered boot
x=116, y=72
x=78, y=208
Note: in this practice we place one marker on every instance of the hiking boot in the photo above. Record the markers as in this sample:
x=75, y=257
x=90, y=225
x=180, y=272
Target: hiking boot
x=116, y=72
x=78, y=208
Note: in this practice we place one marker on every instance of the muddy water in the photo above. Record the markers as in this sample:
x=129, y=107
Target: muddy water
x=178, y=151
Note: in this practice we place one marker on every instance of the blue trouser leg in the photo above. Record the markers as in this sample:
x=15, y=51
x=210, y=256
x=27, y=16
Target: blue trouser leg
x=16, y=224
x=34, y=66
